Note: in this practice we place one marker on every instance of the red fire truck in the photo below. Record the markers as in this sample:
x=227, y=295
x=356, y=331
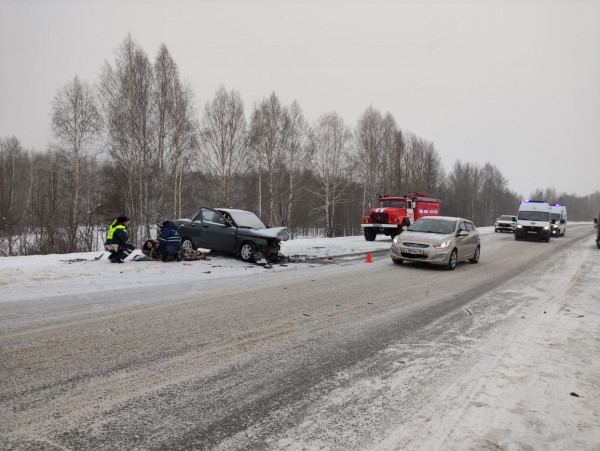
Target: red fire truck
x=394, y=213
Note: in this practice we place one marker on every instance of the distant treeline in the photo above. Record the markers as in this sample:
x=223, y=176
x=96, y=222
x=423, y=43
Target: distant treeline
x=134, y=143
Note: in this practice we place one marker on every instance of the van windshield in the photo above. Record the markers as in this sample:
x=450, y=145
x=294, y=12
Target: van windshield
x=555, y=216
x=534, y=216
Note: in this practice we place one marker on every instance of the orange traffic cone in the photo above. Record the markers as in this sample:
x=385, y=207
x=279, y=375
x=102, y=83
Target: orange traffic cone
x=368, y=260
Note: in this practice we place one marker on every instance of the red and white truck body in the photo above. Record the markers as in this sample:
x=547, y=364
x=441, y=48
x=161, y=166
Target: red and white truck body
x=394, y=213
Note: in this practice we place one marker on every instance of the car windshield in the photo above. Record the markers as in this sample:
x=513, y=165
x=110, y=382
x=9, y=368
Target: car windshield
x=396, y=203
x=246, y=219
x=444, y=227
x=534, y=216
x=555, y=216
x=505, y=218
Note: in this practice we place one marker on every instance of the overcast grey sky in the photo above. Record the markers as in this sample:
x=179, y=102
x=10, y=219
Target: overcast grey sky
x=513, y=83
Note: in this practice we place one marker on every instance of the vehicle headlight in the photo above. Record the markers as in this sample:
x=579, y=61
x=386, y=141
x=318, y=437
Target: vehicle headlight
x=546, y=227
x=443, y=245
x=519, y=226
x=396, y=239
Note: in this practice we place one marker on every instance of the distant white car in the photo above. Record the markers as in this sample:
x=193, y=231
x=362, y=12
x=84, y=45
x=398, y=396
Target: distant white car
x=505, y=223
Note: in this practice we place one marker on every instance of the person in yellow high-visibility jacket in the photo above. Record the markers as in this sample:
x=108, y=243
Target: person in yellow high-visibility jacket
x=117, y=241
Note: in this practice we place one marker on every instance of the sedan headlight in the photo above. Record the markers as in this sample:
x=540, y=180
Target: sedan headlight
x=443, y=245
x=396, y=239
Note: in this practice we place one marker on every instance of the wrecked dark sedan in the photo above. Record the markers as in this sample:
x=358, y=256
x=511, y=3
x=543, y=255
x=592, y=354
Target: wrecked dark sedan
x=234, y=231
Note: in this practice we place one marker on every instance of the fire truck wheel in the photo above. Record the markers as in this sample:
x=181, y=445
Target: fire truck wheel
x=452, y=261
x=476, y=255
x=397, y=261
x=370, y=235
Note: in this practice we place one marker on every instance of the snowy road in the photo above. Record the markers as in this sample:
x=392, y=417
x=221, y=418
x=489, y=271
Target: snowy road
x=336, y=356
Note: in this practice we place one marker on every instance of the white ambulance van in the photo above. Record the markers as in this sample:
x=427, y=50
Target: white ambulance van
x=558, y=219
x=533, y=220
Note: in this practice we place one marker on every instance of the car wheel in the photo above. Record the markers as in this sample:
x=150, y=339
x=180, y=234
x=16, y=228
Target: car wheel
x=247, y=252
x=496, y=230
x=517, y=238
x=547, y=240
x=187, y=245
x=476, y=255
x=397, y=261
x=370, y=234
x=563, y=234
x=453, y=260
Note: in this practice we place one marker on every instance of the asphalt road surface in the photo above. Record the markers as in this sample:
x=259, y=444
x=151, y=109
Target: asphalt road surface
x=331, y=356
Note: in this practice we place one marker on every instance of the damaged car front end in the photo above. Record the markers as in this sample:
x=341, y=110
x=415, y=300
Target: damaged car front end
x=233, y=231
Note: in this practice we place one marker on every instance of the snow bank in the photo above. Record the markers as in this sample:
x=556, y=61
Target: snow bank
x=32, y=277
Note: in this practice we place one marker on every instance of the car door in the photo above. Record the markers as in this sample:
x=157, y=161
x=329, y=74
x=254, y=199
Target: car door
x=463, y=243
x=193, y=229
x=473, y=238
x=217, y=233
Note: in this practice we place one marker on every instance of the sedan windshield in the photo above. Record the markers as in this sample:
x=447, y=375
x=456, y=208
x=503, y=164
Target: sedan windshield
x=433, y=226
x=247, y=219
x=534, y=216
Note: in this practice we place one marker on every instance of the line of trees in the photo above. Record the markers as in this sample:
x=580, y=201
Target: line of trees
x=134, y=143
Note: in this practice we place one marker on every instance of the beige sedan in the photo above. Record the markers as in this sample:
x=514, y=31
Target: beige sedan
x=440, y=240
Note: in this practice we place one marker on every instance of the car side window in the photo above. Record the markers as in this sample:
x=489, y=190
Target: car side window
x=470, y=226
x=463, y=227
x=207, y=215
x=212, y=216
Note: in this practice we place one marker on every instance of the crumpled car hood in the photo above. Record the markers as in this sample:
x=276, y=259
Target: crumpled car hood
x=281, y=233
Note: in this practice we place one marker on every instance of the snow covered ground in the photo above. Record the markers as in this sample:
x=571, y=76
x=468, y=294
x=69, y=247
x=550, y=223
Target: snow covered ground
x=534, y=383
x=30, y=277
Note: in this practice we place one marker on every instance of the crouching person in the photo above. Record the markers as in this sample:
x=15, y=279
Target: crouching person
x=117, y=240
x=169, y=242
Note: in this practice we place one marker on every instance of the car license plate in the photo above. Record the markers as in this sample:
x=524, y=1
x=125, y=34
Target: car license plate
x=414, y=251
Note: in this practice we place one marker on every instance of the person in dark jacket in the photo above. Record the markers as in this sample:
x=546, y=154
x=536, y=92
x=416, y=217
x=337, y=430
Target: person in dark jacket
x=117, y=241
x=169, y=242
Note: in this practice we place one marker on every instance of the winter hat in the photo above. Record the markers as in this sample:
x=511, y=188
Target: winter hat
x=122, y=219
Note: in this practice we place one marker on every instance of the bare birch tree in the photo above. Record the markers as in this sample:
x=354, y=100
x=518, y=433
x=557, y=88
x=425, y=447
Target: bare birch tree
x=175, y=133
x=125, y=93
x=369, y=138
x=268, y=136
x=223, y=141
x=331, y=140
x=295, y=157
x=76, y=122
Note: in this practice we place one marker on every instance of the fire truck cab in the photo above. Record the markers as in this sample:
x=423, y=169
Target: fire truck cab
x=396, y=213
